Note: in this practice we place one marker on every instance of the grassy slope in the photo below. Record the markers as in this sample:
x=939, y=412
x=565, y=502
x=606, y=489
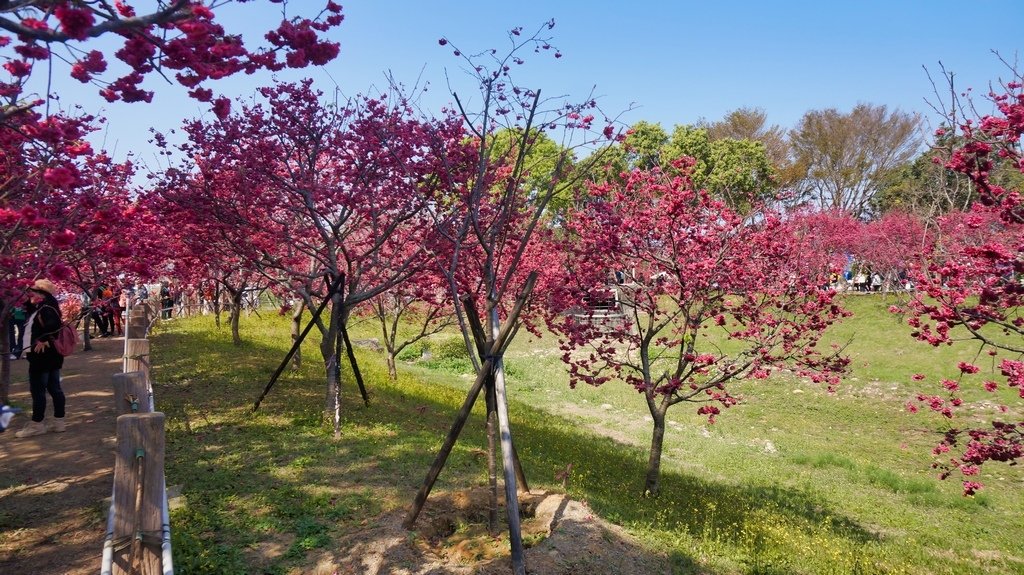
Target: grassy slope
x=793, y=481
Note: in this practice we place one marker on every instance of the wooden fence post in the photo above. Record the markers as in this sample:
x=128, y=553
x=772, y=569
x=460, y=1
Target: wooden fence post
x=131, y=393
x=137, y=354
x=138, y=494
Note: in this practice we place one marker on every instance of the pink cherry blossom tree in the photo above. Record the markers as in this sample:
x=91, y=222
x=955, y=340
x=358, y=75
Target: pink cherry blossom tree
x=496, y=203
x=707, y=297
x=972, y=288
x=306, y=189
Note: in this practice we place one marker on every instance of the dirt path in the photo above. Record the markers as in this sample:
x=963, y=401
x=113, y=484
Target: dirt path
x=55, y=488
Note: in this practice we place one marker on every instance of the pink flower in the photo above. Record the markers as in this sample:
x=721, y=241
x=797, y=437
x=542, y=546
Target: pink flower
x=61, y=177
x=62, y=239
x=59, y=272
x=93, y=63
x=222, y=107
x=18, y=68
x=917, y=376
x=971, y=487
x=967, y=367
x=75, y=22
x=991, y=386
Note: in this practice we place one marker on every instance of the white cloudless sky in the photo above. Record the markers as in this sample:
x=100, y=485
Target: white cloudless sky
x=675, y=62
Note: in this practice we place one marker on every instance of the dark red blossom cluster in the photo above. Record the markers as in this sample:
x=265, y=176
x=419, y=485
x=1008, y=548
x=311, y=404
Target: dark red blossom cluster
x=182, y=36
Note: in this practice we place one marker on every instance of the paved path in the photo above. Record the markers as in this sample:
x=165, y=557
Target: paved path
x=55, y=488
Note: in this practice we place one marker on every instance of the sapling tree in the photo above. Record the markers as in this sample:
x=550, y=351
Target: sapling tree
x=492, y=213
x=421, y=302
x=973, y=289
x=709, y=297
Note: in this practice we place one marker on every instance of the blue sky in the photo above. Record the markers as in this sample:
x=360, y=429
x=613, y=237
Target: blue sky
x=676, y=62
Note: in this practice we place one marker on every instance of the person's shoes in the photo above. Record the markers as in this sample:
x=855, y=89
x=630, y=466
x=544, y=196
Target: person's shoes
x=57, y=425
x=12, y=356
x=31, y=428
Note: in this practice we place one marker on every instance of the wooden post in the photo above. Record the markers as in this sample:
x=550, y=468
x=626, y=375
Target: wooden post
x=135, y=326
x=131, y=393
x=446, y=447
x=137, y=355
x=138, y=494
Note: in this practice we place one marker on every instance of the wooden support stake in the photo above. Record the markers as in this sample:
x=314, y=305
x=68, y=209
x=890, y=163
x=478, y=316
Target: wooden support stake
x=138, y=494
x=137, y=357
x=131, y=393
x=297, y=343
x=446, y=448
x=355, y=366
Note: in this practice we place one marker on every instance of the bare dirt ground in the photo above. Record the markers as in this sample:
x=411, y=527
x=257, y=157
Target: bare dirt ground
x=55, y=492
x=55, y=488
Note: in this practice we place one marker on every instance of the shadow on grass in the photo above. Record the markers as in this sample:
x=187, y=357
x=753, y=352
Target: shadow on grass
x=270, y=490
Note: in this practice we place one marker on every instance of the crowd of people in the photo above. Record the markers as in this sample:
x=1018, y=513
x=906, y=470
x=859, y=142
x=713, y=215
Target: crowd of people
x=864, y=280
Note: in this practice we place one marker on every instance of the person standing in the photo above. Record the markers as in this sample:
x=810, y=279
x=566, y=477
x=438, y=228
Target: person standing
x=44, y=363
x=15, y=330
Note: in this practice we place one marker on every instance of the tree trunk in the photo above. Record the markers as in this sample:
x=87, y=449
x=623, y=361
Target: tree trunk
x=330, y=350
x=296, y=329
x=86, y=335
x=392, y=369
x=216, y=306
x=652, y=484
x=236, y=314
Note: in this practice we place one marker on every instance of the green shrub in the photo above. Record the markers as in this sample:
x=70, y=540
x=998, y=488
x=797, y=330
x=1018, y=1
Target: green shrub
x=413, y=351
x=451, y=347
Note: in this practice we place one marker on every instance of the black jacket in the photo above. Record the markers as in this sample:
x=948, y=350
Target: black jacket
x=44, y=328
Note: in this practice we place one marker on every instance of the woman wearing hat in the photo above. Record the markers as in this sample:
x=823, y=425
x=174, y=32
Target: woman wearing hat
x=44, y=363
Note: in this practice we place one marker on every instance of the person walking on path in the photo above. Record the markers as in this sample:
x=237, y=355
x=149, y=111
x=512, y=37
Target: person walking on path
x=44, y=363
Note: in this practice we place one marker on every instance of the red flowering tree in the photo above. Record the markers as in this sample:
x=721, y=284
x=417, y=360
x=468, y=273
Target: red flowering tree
x=305, y=190
x=973, y=289
x=891, y=245
x=830, y=234
x=204, y=243
x=45, y=165
x=707, y=296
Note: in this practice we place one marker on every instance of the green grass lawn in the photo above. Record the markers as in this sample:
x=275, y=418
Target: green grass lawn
x=793, y=480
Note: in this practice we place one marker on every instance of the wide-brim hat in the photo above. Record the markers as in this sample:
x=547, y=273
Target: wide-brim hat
x=44, y=286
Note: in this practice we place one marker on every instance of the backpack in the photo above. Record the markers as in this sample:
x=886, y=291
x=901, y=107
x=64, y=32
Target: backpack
x=66, y=340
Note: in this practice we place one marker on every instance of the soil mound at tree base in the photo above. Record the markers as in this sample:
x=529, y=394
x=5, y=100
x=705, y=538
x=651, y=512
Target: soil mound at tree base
x=451, y=537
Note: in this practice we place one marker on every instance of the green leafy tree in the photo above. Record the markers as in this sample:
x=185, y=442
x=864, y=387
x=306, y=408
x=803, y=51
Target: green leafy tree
x=752, y=124
x=737, y=171
x=540, y=160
